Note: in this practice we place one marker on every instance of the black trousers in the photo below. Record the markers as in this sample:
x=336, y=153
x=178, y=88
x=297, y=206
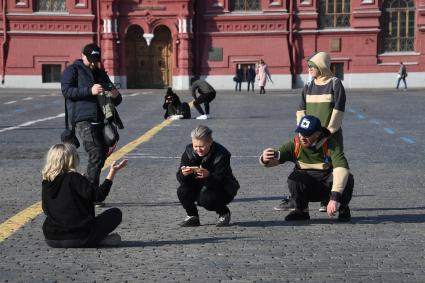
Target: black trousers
x=211, y=199
x=91, y=136
x=204, y=98
x=304, y=188
x=171, y=110
x=251, y=83
x=104, y=224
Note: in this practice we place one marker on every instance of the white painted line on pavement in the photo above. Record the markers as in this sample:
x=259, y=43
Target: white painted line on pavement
x=29, y=123
x=10, y=102
x=28, y=98
x=134, y=94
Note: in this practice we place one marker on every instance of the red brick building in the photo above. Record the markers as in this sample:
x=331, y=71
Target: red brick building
x=156, y=43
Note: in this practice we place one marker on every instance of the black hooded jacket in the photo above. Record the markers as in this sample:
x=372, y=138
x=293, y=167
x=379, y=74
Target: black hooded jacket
x=217, y=162
x=68, y=202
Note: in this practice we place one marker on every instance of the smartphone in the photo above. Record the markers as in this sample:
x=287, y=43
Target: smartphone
x=276, y=154
x=193, y=168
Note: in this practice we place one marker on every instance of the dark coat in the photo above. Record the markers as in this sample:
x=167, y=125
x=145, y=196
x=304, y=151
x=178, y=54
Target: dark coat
x=217, y=162
x=68, y=202
x=239, y=75
x=173, y=98
x=250, y=74
x=76, y=83
x=202, y=87
x=170, y=98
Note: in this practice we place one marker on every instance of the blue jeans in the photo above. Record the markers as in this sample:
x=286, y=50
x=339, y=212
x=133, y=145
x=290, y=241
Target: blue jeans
x=404, y=81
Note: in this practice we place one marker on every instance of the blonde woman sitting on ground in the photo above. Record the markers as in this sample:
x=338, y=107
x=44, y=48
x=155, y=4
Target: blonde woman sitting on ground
x=68, y=201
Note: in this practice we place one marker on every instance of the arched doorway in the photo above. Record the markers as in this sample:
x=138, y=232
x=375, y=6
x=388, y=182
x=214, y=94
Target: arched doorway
x=135, y=45
x=161, y=55
x=148, y=66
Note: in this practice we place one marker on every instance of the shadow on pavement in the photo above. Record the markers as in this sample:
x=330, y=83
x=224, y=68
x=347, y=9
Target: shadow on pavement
x=177, y=242
x=242, y=117
x=389, y=208
x=257, y=199
x=397, y=218
x=271, y=223
x=119, y=204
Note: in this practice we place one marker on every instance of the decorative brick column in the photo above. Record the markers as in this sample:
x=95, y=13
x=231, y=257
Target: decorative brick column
x=109, y=38
x=184, y=51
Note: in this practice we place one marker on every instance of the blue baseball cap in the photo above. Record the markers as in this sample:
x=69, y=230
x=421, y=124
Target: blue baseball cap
x=308, y=125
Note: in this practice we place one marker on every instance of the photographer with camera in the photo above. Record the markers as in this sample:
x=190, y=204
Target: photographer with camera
x=320, y=170
x=205, y=177
x=81, y=84
x=171, y=104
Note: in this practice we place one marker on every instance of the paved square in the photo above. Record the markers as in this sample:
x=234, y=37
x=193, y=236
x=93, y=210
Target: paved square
x=383, y=139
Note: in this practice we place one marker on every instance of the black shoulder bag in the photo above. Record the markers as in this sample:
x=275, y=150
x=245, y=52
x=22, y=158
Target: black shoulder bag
x=68, y=135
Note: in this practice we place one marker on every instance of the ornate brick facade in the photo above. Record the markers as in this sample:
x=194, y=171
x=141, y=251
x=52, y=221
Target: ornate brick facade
x=165, y=42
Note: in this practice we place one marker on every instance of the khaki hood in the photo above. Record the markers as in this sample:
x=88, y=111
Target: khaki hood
x=323, y=62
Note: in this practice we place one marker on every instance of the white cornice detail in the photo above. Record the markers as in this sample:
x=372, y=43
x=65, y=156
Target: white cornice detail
x=344, y=30
x=50, y=14
x=51, y=32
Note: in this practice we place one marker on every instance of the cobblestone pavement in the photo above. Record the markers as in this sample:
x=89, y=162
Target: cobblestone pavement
x=383, y=137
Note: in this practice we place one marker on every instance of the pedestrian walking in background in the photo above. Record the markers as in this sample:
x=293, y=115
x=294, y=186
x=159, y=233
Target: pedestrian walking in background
x=206, y=95
x=205, y=178
x=81, y=83
x=250, y=77
x=68, y=202
x=263, y=75
x=402, y=74
x=238, y=77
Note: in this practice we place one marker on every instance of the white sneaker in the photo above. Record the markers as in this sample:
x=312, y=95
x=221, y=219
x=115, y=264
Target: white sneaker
x=202, y=117
x=175, y=117
x=112, y=239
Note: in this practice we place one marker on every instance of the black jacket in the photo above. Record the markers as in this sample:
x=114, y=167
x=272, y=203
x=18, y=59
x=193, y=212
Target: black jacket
x=239, y=75
x=171, y=97
x=76, y=83
x=217, y=162
x=68, y=202
x=202, y=87
x=250, y=74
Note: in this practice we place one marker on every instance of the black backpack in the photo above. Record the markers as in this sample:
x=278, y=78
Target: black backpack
x=185, y=110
